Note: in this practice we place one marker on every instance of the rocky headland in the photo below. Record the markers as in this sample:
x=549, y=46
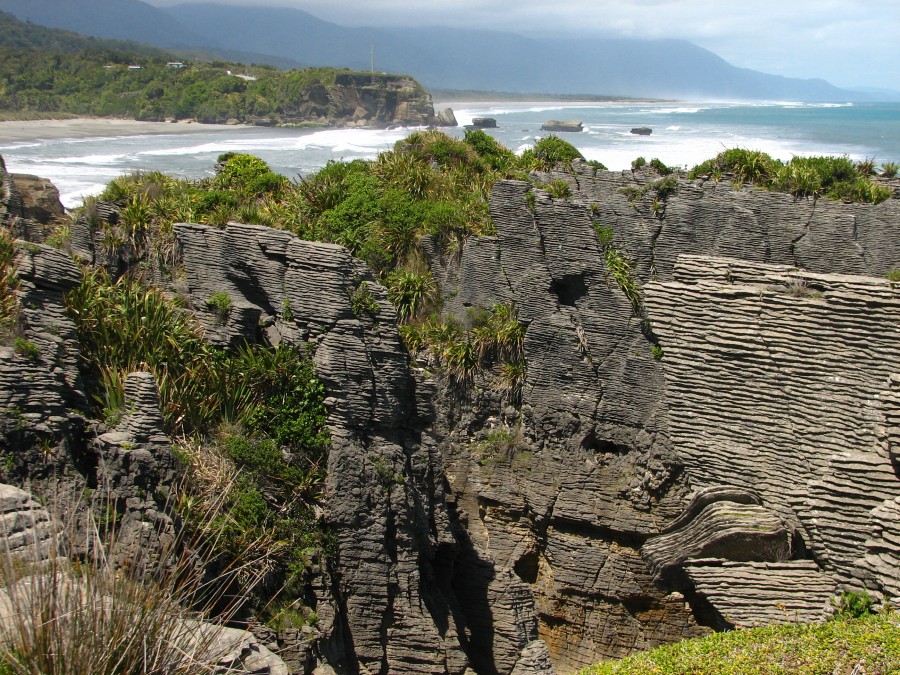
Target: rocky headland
x=710, y=443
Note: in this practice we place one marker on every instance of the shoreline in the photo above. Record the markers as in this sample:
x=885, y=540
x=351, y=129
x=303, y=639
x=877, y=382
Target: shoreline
x=17, y=131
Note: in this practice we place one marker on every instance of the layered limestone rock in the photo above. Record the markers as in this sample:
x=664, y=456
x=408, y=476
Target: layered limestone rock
x=741, y=414
x=394, y=611
x=41, y=393
x=720, y=451
x=25, y=525
x=803, y=362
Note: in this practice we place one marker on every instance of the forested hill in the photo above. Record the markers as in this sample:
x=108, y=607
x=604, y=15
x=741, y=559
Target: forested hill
x=46, y=72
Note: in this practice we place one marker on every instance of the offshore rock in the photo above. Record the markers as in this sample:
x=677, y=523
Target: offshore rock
x=446, y=118
x=562, y=125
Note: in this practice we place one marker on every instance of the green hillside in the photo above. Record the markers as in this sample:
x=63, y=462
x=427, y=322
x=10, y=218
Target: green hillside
x=46, y=72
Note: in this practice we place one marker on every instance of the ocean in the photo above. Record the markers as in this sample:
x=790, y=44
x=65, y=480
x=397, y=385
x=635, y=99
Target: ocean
x=684, y=134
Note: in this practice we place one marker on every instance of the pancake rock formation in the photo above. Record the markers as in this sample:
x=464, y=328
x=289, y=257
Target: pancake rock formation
x=705, y=434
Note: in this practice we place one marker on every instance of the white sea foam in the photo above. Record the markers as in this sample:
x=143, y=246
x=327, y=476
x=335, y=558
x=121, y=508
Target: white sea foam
x=91, y=160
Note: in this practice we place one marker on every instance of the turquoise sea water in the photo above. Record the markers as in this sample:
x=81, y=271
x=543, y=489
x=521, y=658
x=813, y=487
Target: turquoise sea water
x=684, y=134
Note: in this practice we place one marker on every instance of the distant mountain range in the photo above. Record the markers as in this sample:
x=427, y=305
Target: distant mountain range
x=442, y=58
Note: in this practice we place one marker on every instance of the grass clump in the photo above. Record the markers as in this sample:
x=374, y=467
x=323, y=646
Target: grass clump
x=558, y=189
x=495, y=341
x=412, y=293
x=113, y=610
x=27, y=349
x=363, y=302
x=870, y=644
x=620, y=268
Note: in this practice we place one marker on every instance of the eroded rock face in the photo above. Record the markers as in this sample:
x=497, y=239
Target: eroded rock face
x=759, y=446
x=737, y=480
x=393, y=610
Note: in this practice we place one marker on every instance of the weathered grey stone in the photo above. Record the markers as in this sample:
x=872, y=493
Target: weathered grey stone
x=749, y=594
x=723, y=529
x=386, y=506
x=534, y=660
x=26, y=527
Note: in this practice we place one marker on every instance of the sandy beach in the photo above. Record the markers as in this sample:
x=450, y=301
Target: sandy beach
x=94, y=127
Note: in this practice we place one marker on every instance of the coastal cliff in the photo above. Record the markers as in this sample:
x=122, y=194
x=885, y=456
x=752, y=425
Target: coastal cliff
x=706, y=441
x=691, y=453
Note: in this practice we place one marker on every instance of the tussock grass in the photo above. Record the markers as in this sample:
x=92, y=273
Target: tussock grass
x=495, y=341
x=868, y=645
x=93, y=605
x=9, y=282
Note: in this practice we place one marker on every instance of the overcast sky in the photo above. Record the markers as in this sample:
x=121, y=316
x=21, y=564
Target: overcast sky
x=850, y=43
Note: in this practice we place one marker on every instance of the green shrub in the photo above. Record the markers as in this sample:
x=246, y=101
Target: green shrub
x=789, y=649
x=889, y=170
x=247, y=174
x=27, y=349
x=853, y=605
x=893, y=275
x=664, y=187
x=123, y=326
x=837, y=178
x=748, y=166
x=363, y=302
x=550, y=152
x=659, y=167
x=633, y=193
x=221, y=303
x=558, y=189
x=497, y=156
x=638, y=164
